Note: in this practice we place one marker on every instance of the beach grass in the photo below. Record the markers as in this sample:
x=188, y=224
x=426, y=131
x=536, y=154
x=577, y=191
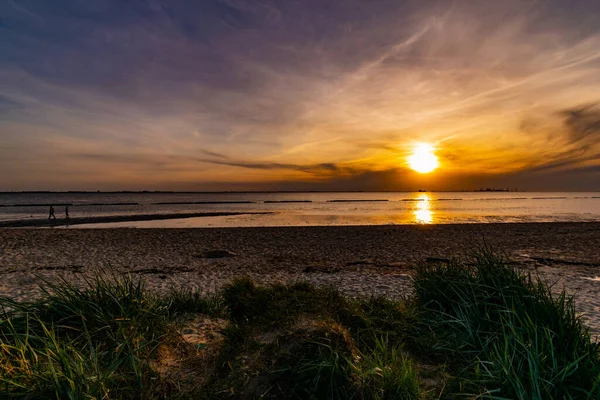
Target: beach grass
x=504, y=331
x=478, y=328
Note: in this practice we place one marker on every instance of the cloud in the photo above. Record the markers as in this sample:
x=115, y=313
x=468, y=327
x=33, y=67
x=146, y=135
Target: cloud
x=572, y=137
x=308, y=89
x=314, y=169
x=212, y=153
x=583, y=123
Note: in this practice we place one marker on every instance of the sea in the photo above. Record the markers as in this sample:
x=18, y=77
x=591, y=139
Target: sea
x=308, y=209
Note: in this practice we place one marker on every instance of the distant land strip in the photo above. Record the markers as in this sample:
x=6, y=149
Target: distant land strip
x=129, y=203
x=69, y=204
x=23, y=223
x=287, y=201
x=204, y=202
x=355, y=201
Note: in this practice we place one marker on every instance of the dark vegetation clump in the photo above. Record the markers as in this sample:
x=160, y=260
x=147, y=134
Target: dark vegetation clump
x=475, y=329
x=504, y=332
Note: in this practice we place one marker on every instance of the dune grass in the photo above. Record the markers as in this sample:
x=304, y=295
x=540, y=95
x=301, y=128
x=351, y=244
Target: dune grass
x=475, y=329
x=504, y=332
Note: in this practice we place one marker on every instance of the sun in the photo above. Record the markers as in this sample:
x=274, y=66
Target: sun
x=423, y=158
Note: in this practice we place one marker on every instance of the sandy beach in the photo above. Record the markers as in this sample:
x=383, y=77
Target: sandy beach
x=62, y=222
x=361, y=260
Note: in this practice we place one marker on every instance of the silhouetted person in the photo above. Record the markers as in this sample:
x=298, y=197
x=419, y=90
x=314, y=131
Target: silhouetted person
x=67, y=211
x=51, y=213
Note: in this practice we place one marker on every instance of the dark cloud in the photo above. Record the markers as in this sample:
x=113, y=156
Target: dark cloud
x=212, y=153
x=583, y=124
x=313, y=169
x=577, y=129
x=581, y=179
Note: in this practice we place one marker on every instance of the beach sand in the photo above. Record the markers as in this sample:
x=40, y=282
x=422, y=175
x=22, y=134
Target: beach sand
x=361, y=260
x=62, y=222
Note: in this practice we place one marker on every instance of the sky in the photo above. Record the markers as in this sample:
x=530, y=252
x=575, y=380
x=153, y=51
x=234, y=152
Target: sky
x=214, y=95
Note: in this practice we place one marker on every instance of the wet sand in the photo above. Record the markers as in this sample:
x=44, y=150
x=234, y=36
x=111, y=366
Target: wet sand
x=45, y=222
x=359, y=260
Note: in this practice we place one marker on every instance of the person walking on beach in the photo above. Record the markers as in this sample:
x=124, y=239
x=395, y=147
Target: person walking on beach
x=67, y=211
x=51, y=213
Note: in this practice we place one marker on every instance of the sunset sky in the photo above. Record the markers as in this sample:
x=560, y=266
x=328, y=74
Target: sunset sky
x=298, y=94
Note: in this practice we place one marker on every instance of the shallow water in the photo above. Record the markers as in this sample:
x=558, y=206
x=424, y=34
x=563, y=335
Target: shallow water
x=300, y=209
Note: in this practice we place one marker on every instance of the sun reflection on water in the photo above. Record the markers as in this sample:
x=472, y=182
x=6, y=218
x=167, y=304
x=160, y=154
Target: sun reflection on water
x=423, y=213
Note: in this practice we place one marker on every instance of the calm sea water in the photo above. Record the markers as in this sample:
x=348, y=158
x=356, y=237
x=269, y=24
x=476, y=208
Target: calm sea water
x=315, y=208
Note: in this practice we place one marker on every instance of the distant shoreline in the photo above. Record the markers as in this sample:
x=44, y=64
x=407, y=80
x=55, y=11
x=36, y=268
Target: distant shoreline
x=288, y=191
